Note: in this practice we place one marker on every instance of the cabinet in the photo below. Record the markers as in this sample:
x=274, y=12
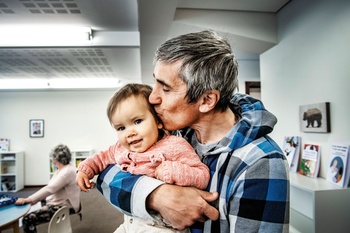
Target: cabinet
x=317, y=205
x=12, y=171
x=77, y=156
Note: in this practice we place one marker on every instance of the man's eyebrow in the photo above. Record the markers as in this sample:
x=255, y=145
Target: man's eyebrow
x=161, y=82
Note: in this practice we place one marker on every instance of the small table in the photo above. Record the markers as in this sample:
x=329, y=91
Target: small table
x=10, y=215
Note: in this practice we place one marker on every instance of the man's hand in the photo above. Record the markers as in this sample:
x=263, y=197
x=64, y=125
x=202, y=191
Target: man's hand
x=83, y=181
x=183, y=206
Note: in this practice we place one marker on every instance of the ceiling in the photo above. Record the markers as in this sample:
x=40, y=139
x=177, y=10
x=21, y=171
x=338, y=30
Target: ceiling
x=126, y=34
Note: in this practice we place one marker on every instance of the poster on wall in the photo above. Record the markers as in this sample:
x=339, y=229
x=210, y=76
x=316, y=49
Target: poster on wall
x=36, y=128
x=315, y=118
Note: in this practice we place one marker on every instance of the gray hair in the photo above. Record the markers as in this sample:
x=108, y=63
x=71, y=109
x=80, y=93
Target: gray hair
x=207, y=63
x=61, y=154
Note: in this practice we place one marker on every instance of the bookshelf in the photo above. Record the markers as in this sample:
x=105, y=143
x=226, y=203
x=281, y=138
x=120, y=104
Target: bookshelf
x=317, y=205
x=11, y=171
x=77, y=156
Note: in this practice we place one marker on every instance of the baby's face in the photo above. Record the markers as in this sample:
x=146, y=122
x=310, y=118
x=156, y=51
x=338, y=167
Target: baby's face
x=136, y=127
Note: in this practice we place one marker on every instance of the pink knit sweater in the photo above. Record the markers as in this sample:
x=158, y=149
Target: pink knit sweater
x=181, y=165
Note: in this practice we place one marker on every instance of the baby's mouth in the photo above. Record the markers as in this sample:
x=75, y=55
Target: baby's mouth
x=135, y=142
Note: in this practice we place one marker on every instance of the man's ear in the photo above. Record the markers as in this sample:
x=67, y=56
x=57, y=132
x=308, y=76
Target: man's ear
x=209, y=100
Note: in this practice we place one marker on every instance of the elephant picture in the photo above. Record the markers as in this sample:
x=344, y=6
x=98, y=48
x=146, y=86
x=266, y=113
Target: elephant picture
x=315, y=118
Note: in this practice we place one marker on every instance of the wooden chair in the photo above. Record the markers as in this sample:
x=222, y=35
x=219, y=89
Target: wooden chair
x=60, y=221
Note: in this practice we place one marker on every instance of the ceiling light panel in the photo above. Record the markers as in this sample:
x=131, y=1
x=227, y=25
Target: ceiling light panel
x=72, y=63
x=55, y=62
x=51, y=7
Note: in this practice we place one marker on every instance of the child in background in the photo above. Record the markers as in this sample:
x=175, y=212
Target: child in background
x=144, y=148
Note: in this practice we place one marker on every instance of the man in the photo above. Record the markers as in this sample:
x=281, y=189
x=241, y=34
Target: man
x=195, y=81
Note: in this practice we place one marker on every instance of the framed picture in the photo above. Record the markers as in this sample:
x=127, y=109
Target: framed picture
x=315, y=118
x=36, y=128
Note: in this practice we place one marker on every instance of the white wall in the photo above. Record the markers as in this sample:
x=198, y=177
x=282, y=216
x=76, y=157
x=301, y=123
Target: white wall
x=248, y=71
x=75, y=118
x=310, y=65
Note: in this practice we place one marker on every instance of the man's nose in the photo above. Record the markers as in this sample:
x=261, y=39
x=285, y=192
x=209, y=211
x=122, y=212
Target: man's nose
x=154, y=97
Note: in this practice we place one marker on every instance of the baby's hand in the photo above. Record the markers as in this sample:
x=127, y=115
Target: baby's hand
x=159, y=172
x=83, y=181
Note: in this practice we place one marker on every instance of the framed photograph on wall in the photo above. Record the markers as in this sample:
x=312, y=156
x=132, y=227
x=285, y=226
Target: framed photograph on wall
x=315, y=118
x=36, y=128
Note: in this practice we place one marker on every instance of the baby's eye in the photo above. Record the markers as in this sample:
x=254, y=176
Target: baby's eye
x=121, y=128
x=138, y=122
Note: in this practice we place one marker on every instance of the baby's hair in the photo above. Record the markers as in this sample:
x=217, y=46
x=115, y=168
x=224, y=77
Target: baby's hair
x=131, y=89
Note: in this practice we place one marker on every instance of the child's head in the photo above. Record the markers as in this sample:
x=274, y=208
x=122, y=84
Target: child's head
x=134, y=118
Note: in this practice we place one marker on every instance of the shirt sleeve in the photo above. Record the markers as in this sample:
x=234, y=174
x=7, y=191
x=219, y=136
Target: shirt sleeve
x=125, y=191
x=98, y=162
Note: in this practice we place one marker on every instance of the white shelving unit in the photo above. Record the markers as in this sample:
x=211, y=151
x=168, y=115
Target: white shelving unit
x=77, y=156
x=11, y=171
x=318, y=206
x=80, y=155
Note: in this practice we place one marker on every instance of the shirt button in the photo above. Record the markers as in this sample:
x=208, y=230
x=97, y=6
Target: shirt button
x=130, y=220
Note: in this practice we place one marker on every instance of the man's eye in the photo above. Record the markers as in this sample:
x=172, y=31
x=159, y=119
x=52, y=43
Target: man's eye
x=138, y=122
x=165, y=88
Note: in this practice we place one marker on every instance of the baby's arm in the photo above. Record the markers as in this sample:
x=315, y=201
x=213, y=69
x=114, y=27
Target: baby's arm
x=94, y=165
x=182, y=166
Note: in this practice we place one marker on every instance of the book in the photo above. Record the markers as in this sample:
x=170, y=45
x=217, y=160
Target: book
x=338, y=169
x=310, y=160
x=291, y=149
x=4, y=144
x=77, y=161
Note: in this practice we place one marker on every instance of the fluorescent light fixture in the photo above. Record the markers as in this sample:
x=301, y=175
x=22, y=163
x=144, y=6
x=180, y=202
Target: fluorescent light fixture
x=60, y=83
x=81, y=83
x=8, y=84
x=45, y=36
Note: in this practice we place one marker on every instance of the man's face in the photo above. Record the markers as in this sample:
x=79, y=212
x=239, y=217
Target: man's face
x=168, y=98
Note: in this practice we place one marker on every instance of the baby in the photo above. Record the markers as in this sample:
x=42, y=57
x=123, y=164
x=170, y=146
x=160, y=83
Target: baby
x=144, y=148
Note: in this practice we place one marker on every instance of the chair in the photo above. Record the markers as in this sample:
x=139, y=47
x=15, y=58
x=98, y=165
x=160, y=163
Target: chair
x=60, y=221
x=72, y=212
